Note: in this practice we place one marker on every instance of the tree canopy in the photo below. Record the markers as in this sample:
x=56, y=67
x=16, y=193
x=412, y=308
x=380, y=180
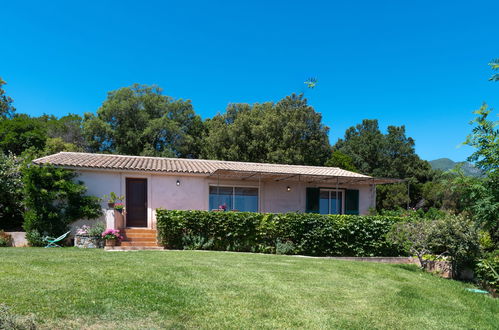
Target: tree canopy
x=20, y=133
x=6, y=108
x=288, y=132
x=390, y=155
x=140, y=120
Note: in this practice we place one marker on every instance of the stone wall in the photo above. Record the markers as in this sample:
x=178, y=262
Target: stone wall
x=88, y=242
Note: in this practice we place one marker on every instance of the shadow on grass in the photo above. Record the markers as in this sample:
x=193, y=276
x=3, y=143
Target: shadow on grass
x=408, y=267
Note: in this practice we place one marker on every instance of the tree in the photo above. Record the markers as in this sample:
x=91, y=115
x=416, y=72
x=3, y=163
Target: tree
x=455, y=236
x=11, y=192
x=390, y=155
x=494, y=64
x=339, y=159
x=54, y=199
x=485, y=139
x=287, y=132
x=20, y=133
x=6, y=108
x=68, y=129
x=139, y=120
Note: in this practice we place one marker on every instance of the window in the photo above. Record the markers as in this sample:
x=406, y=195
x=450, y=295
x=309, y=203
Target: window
x=330, y=201
x=243, y=199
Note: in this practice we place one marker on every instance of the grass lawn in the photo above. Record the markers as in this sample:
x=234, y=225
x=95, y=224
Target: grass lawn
x=72, y=288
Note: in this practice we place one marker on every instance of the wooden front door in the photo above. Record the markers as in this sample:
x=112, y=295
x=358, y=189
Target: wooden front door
x=136, y=202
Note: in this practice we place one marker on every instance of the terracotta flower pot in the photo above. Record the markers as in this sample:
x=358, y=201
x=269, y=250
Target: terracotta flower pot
x=111, y=242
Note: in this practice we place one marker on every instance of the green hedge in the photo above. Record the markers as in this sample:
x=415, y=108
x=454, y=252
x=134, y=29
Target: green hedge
x=288, y=233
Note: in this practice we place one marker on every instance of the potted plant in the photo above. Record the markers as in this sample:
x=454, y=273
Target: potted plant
x=119, y=207
x=112, y=236
x=112, y=198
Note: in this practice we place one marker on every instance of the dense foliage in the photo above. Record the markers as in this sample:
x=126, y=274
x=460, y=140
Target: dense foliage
x=341, y=160
x=487, y=271
x=390, y=155
x=140, y=120
x=11, y=192
x=21, y=133
x=287, y=132
x=54, y=200
x=6, y=108
x=302, y=233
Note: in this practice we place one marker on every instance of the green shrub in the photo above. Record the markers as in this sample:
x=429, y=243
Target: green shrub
x=196, y=242
x=97, y=229
x=11, y=192
x=54, y=199
x=455, y=236
x=487, y=271
x=11, y=321
x=34, y=238
x=297, y=233
x=5, y=239
x=284, y=247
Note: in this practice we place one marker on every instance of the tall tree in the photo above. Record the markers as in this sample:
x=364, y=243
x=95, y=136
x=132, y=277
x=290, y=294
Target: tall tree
x=288, y=132
x=140, y=120
x=11, y=192
x=68, y=129
x=22, y=132
x=485, y=139
x=341, y=160
x=390, y=155
x=6, y=108
x=494, y=65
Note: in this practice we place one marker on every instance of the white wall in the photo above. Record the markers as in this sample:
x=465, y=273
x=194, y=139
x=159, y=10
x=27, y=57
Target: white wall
x=192, y=193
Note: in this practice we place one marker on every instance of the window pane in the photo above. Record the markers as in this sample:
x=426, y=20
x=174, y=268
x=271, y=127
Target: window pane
x=336, y=202
x=246, y=199
x=220, y=196
x=324, y=202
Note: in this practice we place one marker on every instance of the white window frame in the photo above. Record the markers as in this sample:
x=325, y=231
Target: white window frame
x=329, y=190
x=234, y=193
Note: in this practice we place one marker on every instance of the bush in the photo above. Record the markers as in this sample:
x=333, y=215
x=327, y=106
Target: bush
x=11, y=321
x=11, y=192
x=5, y=239
x=293, y=233
x=54, y=200
x=487, y=271
x=34, y=238
x=455, y=236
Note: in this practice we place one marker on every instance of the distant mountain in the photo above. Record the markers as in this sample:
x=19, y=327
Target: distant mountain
x=446, y=164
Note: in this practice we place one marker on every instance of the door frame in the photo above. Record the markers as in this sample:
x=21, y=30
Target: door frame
x=149, y=212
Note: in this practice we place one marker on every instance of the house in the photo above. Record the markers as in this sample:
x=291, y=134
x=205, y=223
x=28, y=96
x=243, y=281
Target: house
x=149, y=183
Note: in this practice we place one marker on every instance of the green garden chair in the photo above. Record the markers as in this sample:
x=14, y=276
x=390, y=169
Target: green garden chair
x=52, y=242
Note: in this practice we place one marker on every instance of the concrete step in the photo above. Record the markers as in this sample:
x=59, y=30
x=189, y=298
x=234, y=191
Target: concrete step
x=139, y=239
x=141, y=243
x=132, y=248
x=140, y=230
x=139, y=235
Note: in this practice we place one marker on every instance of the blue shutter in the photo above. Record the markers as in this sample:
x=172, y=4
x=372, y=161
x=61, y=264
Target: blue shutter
x=352, y=201
x=312, y=202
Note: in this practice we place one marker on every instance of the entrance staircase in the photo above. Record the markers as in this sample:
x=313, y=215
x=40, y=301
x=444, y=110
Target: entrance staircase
x=138, y=239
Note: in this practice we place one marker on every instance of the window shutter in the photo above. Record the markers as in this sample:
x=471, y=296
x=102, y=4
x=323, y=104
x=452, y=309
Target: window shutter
x=312, y=203
x=352, y=201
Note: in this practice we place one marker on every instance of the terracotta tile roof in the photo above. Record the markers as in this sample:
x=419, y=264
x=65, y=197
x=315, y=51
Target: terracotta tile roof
x=181, y=165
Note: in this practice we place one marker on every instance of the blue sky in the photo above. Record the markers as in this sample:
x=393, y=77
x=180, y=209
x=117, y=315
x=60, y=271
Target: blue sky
x=422, y=64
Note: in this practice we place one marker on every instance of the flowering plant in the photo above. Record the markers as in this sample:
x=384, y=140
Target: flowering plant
x=112, y=234
x=83, y=230
x=119, y=206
